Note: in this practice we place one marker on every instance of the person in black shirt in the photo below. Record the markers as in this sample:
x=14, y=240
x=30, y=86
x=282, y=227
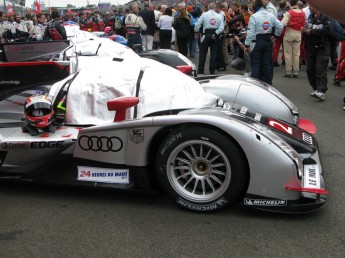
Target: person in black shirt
x=55, y=30
x=317, y=33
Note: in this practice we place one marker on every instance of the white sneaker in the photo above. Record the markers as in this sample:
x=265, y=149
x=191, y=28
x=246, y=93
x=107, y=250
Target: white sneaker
x=344, y=108
x=320, y=95
x=313, y=94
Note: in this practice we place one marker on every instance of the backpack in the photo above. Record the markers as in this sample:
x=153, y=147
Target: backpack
x=118, y=23
x=336, y=30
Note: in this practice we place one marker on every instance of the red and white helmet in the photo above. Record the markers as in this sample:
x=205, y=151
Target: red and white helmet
x=108, y=30
x=38, y=111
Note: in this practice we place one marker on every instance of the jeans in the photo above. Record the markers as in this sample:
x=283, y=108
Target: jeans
x=192, y=45
x=205, y=44
x=235, y=51
x=135, y=40
x=261, y=60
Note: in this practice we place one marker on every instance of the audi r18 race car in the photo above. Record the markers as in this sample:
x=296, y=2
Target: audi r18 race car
x=203, y=159
x=185, y=141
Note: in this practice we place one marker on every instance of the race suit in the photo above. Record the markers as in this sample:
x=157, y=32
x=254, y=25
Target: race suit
x=259, y=40
x=213, y=26
x=56, y=31
x=134, y=25
x=37, y=31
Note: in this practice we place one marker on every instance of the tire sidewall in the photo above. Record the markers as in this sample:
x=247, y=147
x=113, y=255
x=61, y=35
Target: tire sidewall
x=228, y=147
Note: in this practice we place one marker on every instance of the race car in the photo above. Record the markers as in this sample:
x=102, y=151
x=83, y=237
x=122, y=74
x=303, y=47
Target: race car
x=184, y=141
x=204, y=159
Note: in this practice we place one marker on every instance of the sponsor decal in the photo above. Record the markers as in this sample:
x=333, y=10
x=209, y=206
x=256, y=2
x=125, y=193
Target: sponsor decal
x=19, y=48
x=244, y=110
x=136, y=135
x=266, y=25
x=311, y=176
x=307, y=138
x=257, y=117
x=103, y=175
x=213, y=21
x=103, y=143
x=170, y=141
x=46, y=145
x=206, y=207
x=15, y=145
x=263, y=202
x=280, y=126
x=9, y=82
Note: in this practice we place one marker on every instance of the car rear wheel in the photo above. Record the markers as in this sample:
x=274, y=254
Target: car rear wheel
x=200, y=168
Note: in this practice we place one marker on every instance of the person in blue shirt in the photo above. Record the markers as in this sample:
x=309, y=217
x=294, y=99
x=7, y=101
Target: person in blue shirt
x=259, y=41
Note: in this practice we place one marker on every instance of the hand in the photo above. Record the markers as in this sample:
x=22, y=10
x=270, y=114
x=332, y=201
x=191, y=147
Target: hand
x=196, y=35
x=273, y=39
x=307, y=31
x=237, y=38
x=247, y=50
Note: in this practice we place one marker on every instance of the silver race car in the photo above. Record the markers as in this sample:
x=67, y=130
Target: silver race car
x=204, y=158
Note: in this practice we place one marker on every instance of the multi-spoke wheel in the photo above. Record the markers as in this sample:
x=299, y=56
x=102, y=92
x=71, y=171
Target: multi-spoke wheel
x=201, y=168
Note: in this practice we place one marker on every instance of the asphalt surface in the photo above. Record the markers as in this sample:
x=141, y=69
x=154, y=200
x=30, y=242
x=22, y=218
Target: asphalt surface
x=41, y=221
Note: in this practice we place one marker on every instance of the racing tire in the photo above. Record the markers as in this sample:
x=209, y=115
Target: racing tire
x=201, y=169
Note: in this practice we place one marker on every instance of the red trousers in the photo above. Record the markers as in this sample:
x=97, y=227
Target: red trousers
x=340, y=75
x=276, y=48
x=303, y=51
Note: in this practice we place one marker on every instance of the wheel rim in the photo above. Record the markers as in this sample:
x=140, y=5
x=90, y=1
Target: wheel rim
x=199, y=171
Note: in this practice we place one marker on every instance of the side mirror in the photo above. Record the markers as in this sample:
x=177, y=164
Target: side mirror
x=120, y=105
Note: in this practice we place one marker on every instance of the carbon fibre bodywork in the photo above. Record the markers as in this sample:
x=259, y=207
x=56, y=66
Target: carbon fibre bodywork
x=91, y=156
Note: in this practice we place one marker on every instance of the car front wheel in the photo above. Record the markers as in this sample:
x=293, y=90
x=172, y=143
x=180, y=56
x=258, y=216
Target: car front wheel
x=200, y=168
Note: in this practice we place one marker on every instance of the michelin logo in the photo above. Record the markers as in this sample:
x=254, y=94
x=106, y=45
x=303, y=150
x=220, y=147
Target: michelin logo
x=209, y=207
x=263, y=202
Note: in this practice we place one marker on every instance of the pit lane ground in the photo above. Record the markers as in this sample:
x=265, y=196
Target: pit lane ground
x=40, y=221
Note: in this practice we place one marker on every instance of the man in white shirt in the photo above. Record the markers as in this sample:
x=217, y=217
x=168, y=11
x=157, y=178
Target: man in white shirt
x=270, y=7
x=306, y=11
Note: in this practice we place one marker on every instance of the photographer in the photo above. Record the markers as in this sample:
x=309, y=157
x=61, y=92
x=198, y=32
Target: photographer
x=243, y=62
x=238, y=23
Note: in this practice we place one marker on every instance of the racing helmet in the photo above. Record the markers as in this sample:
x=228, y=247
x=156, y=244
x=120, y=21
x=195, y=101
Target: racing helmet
x=38, y=111
x=108, y=30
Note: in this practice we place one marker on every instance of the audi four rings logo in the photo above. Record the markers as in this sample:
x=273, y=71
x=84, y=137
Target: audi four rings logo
x=105, y=144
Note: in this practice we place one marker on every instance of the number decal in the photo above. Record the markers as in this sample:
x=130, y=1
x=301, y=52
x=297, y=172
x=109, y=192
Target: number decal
x=280, y=126
x=85, y=174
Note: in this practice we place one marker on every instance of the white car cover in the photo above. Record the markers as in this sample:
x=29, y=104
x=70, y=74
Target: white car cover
x=101, y=79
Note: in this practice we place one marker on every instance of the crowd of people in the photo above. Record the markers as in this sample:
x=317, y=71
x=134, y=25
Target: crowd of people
x=14, y=28
x=253, y=33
